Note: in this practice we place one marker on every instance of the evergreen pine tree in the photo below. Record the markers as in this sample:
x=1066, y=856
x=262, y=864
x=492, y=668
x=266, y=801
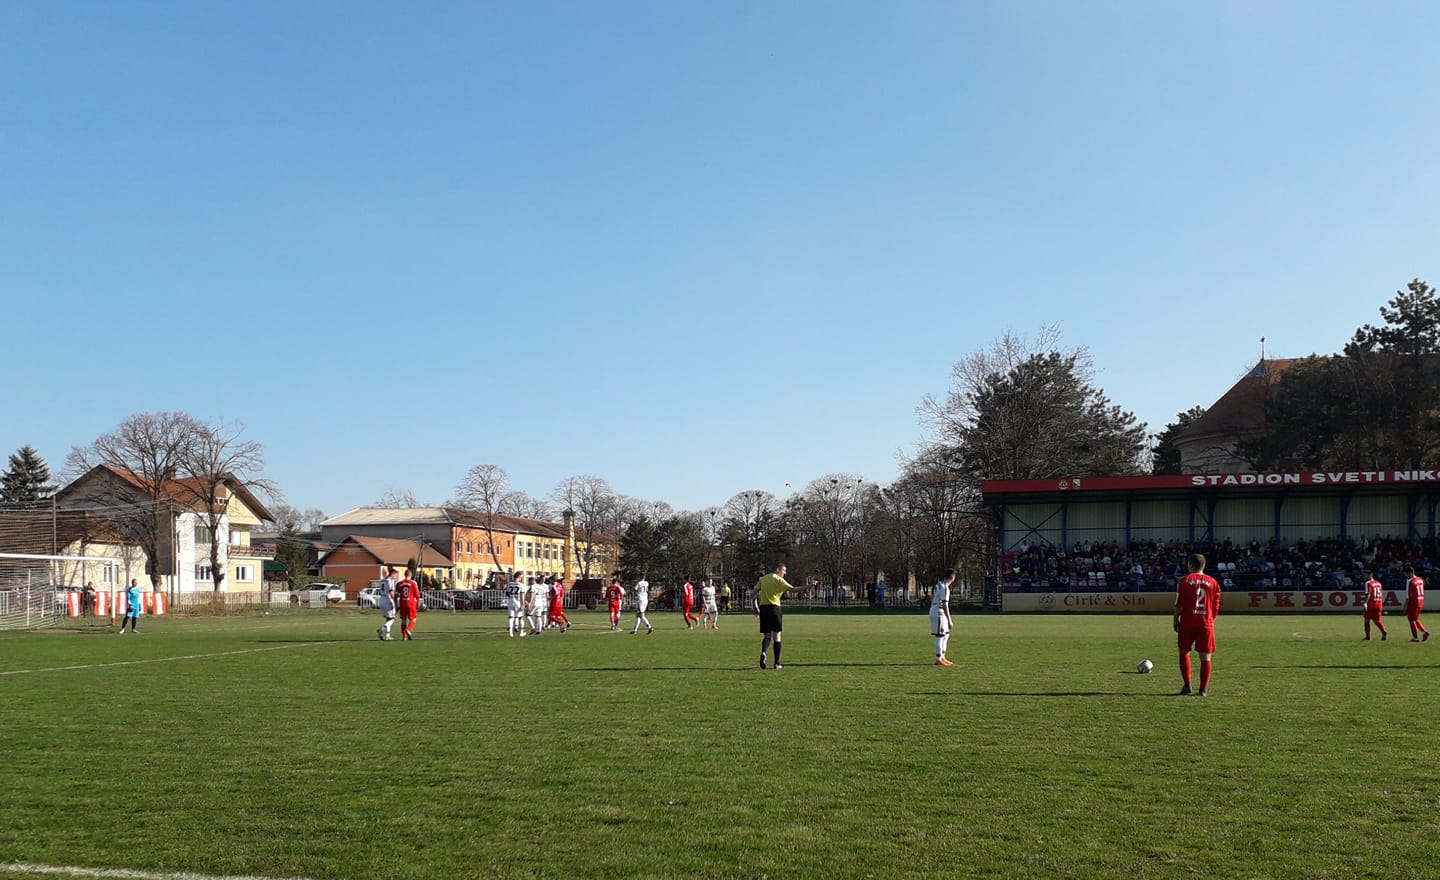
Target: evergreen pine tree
x=27, y=482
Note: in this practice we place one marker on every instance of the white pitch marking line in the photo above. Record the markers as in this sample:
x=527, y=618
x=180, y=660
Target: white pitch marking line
x=123, y=873
x=161, y=660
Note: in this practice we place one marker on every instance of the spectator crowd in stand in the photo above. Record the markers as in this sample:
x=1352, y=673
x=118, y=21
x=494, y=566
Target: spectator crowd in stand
x=1152, y=565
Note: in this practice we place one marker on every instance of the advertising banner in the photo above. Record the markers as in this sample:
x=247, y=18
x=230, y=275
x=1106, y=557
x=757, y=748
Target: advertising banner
x=1235, y=602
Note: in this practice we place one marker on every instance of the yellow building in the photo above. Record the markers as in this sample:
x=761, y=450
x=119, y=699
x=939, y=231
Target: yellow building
x=481, y=548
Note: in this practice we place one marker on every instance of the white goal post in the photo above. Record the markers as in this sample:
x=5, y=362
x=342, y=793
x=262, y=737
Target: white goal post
x=33, y=586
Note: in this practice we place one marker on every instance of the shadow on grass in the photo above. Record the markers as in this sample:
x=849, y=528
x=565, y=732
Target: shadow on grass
x=316, y=641
x=1355, y=666
x=654, y=668
x=746, y=668
x=1060, y=694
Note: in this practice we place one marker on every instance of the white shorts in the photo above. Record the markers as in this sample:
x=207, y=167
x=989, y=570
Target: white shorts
x=710, y=609
x=937, y=621
x=640, y=608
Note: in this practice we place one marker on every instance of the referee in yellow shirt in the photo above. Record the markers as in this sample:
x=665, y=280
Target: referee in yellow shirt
x=767, y=607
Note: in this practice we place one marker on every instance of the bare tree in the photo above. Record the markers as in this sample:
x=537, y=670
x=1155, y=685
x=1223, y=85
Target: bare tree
x=658, y=511
x=397, y=499
x=146, y=453
x=215, y=463
x=598, y=515
x=291, y=550
x=830, y=510
x=525, y=506
x=484, y=489
x=754, y=533
x=284, y=517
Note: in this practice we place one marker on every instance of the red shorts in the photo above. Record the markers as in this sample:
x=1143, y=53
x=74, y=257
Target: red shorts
x=1372, y=612
x=409, y=611
x=614, y=607
x=1198, y=638
x=689, y=606
x=1413, y=609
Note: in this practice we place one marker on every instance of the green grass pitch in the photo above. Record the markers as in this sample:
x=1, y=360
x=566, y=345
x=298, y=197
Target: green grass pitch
x=297, y=745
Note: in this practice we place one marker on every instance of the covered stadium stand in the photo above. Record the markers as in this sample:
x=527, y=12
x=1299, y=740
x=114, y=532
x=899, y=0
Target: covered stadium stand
x=1288, y=541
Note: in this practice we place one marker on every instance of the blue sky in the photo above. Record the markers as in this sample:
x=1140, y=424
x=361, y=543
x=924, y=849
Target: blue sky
x=690, y=247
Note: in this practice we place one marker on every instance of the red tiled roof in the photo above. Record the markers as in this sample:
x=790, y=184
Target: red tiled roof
x=392, y=551
x=185, y=491
x=1242, y=408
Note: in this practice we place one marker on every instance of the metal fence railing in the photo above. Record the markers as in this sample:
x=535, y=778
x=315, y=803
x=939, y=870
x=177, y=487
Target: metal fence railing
x=31, y=607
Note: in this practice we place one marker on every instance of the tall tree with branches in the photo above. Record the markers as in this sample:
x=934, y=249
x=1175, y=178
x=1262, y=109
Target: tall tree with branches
x=216, y=462
x=485, y=489
x=146, y=453
x=600, y=518
x=1023, y=409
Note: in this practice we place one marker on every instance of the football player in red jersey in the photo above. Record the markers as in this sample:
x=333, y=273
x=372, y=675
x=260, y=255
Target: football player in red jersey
x=1374, y=602
x=407, y=600
x=614, y=595
x=1197, y=601
x=557, y=604
x=687, y=604
x=1414, y=603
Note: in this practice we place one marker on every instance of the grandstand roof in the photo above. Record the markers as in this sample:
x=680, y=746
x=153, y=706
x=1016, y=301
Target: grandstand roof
x=996, y=491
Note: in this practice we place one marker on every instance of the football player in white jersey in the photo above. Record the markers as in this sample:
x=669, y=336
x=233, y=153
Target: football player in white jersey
x=709, y=610
x=515, y=606
x=536, y=601
x=940, y=624
x=385, y=602
x=642, y=602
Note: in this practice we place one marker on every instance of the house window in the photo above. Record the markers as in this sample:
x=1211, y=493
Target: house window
x=245, y=574
x=202, y=573
x=203, y=535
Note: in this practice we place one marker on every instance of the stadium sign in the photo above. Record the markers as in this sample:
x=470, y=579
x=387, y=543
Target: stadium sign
x=1301, y=600
x=1281, y=601
x=1092, y=603
x=1214, y=481
x=1322, y=478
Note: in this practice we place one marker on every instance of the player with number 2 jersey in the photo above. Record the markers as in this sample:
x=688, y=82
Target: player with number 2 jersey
x=1197, y=601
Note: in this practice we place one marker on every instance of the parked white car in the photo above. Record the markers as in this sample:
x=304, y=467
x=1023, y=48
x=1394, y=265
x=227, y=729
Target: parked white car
x=334, y=593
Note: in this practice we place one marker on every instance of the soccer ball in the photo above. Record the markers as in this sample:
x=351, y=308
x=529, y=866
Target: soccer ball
x=1144, y=666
